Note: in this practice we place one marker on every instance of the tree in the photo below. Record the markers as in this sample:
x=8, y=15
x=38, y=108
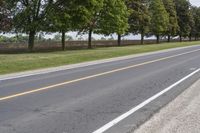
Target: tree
x=58, y=18
x=29, y=17
x=184, y=16
x=85, y=16
x=173, y=20
x=106, y=17
x=196, y=14
x=114, y=18
x=73, y=15
x=139, y=20
x=195, y=32
x=159, y=18
x=5, y=16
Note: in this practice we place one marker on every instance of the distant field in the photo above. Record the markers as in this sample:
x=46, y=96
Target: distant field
x=56, y=45
x=10, y=63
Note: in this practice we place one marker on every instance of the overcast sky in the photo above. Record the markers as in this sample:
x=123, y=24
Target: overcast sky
x=195, y=2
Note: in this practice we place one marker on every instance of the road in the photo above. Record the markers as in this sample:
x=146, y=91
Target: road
x=82, y=100
x=179, y=116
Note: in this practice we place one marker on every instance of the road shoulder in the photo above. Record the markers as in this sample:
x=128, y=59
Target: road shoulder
x=180, y=116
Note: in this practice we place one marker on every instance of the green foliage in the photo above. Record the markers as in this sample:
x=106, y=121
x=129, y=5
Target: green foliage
x=173, y=26
x=139, y=20
x=57, y=16
x=105, y=17
x=90, y=10
x=195, y=32
x=184, y=17
x=29, y=17
x=159, y=17
x=29, y=14
x=15, y=39
x=72, y=15
x=5, y=16
x=5, y=39
x=145, y=17
x=113, y=18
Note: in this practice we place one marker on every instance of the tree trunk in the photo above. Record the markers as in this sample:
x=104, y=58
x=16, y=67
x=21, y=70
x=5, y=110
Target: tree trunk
x=90, y=39
x=190, y=37
x=31, y=40
x=63, y=40
x=142, y=38
x=168, y=38
x=158, y=39
x=119, y=40
x=180, y=37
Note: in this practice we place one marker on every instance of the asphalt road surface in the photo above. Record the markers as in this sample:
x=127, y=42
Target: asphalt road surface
x=180, y=116
x=82, y=100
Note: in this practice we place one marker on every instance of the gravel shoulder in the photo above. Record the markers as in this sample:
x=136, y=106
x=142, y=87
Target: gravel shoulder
x=180, y=116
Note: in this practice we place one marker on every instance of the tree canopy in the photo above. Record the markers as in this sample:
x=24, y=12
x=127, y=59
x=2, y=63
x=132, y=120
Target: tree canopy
x=184, y=17
x=173, y=26
x=29, y=17
x=195, y=32
x=166, y=18
x=114, y=18
x=5, y=16
x=159, y=18
x=139, y=19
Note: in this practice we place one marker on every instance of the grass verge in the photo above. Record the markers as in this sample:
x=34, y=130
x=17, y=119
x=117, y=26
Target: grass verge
x=10, y=63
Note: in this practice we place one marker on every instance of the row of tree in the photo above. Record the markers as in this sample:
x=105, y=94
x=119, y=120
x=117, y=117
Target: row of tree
x=146, y=17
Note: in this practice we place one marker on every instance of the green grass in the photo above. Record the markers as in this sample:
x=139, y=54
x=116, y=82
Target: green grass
x=10, y=63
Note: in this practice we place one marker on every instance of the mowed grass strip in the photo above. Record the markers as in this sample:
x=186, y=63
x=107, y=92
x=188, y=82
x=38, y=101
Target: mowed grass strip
x=10, y=63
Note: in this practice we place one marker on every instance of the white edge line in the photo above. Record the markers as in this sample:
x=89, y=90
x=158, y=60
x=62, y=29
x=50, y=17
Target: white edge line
x=90, y=63
x=133, y=110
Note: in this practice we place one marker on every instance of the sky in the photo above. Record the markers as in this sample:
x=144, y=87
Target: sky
x=195, y=2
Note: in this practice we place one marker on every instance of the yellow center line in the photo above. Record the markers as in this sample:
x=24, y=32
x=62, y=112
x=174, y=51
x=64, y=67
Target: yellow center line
x=92, y=76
